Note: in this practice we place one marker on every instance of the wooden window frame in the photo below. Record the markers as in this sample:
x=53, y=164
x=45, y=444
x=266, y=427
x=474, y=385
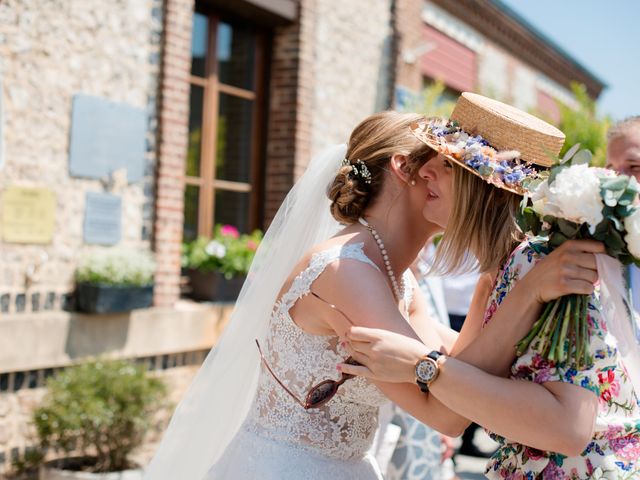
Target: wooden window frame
x=206, y=181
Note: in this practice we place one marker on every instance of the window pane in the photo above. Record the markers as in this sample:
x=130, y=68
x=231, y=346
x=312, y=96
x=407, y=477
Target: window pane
x=199, y=44
x=233, y=147
x=232, y=208
x=235, y=52
x=195, y=130
x=190, y=228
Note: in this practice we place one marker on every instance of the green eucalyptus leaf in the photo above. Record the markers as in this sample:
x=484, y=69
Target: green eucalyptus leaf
x=623, y=211
x=626, y=258
x=614, y=241
x=616, y=223
x=570, y=153
x=568, y=228
x=582, y=157
x=614, y=183
x=610, y=198
x=556, y=239
x=554, y=173
x=627, y=198
x=602, y=229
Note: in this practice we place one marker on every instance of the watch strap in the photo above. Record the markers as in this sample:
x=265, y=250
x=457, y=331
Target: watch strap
x=434, y=355
x=423, y=386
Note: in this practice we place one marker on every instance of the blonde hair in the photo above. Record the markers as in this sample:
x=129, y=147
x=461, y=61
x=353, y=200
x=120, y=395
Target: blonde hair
x=374, y=141
x=624, y=127
x=482, y=221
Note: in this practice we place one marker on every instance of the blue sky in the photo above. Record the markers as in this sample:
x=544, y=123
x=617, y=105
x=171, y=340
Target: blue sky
x=602, y=36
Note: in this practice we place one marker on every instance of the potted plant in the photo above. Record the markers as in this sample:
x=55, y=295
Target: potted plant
x=95, y=414
x=114, y=281
x=218, y=266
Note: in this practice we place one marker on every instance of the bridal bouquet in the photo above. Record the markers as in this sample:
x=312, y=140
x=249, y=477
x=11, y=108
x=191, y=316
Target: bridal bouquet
x=576, y=201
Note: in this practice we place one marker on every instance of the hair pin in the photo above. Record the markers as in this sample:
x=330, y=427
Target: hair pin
x=359, y=170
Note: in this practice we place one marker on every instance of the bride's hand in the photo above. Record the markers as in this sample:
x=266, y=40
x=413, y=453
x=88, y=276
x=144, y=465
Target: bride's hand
x=385, y=356
x=570, y=268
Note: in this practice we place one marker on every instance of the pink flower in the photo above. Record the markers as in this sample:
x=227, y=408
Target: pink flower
x=490, y=312
x=512, y=475
x=252, y=245
x=553, y=472
x=626, y=448
x=534, y=453
x=542, y=368
x=609, y=387
x=613, y=432
x=229, y=231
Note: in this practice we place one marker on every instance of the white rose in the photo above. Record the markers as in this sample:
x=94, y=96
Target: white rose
x=541, y=201
x=215, y=249
x=632, y=226
x=575, y=195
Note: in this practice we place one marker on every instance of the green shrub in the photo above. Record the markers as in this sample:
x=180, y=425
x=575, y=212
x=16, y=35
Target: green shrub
x=116, y=267
x=227, y=251
x=100, y=409
x=583, y=125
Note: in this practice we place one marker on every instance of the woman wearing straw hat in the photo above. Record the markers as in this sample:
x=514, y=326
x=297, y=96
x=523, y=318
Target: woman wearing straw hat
x=564, y=422
x=268, y=402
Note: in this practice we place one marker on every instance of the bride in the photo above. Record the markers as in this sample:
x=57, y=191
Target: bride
x=291, y=414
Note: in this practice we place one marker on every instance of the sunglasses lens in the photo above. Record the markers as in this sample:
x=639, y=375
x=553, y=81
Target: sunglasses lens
x=321, y=393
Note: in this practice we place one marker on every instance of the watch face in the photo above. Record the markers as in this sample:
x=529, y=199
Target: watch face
x=426, y=370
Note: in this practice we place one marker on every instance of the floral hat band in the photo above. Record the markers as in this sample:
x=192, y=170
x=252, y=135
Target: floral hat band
x=506, y=147
x=503, y=169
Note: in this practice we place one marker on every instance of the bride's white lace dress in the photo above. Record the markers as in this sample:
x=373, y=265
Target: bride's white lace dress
x=279, y=440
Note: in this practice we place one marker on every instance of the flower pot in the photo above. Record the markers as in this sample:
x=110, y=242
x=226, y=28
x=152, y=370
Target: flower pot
x=70, y=469
x=95, y=298
x=213, y=286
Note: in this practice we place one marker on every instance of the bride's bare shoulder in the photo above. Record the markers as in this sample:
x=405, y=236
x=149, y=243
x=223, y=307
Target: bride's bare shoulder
x=341, y=239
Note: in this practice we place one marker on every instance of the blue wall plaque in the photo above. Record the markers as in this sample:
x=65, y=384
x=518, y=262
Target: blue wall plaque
x=102, y=219
x=106, y=136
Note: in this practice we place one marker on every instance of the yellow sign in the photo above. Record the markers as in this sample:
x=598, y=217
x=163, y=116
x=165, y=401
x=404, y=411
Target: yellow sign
x=28, y=215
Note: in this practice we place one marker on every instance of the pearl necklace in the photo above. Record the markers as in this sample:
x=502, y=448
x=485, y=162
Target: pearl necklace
x=399, y=294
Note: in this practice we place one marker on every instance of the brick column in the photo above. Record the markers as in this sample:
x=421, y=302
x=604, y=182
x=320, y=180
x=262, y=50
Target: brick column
x=172, y=150
x=290, y=105
x=410, y=30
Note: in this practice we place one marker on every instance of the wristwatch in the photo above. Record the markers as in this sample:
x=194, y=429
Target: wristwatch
x=427, y=369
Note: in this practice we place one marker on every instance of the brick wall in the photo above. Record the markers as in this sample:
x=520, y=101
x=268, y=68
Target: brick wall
x=409, y=27
x=290, y=103
x=172, y=148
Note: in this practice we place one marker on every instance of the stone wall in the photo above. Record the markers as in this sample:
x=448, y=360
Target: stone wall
x=49, y=51
x=352, y=63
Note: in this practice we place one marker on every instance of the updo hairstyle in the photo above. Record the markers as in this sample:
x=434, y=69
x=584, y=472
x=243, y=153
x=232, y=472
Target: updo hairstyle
x=374, y=141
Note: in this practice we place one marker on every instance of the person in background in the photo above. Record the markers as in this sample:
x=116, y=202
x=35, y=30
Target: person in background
x=458, y=291
x=623, y=149
x=422, y=453
x=623, y=156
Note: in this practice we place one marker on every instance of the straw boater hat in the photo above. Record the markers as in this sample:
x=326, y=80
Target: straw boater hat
x=504, y=146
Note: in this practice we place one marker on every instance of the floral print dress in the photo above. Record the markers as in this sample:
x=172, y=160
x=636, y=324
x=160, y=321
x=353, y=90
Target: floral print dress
x=614, y=452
